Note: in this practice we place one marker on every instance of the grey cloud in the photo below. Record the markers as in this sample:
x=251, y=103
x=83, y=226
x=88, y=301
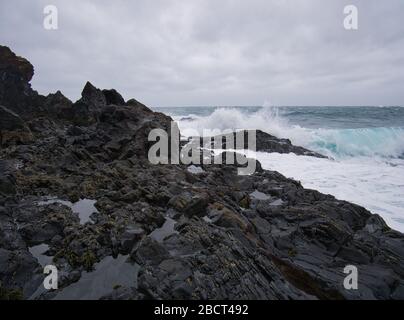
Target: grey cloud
x=205, y=52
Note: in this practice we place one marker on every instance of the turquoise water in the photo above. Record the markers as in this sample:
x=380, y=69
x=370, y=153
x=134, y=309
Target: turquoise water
x=366, y=143
x=334, y=131
x=313, y=117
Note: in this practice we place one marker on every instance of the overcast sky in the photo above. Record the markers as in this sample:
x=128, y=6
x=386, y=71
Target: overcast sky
x=214, y=52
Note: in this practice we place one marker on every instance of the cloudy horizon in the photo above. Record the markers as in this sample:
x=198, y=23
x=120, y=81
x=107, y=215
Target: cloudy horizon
x=200, y=52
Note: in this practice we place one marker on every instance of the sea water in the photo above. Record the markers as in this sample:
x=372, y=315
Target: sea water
x=366, y=145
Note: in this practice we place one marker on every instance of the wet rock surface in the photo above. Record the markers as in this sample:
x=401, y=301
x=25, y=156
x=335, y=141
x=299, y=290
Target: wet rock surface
x=210, y=235
x=264, y=143
x=13, y=129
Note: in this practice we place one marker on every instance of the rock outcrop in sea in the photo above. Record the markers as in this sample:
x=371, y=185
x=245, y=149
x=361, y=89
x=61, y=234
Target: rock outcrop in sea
x=77, y=191
x=264, y=142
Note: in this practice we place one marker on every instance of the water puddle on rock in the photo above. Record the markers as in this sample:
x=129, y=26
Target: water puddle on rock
x=108, y=274
x=259, y=195
x=277, y=202
x=195, y=169
x=164, y=231
x=39, y=253
x=84, y=207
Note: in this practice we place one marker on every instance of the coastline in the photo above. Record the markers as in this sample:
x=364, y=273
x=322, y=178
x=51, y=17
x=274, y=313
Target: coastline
x=261, y=236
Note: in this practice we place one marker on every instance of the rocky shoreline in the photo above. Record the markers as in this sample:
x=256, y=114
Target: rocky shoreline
x=77, y=190
x=264, y=142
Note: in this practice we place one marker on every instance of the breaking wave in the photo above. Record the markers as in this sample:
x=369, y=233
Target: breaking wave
x=386, y=142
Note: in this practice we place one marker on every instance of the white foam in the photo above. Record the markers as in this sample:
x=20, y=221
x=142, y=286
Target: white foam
x=234, y=119
x=372, y=183
x=369, y=169
x=337, y=143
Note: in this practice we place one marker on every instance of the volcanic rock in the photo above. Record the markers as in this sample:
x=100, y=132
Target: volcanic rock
x=226, y=236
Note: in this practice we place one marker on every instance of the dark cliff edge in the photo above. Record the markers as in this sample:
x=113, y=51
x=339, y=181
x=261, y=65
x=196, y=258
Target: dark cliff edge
x=167, y=231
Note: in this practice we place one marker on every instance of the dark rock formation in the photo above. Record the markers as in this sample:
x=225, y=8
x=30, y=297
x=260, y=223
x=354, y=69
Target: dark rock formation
x=266, y=143
x=7, y=178
x=12, y=128
x=269, y=143
x=113, y=97
x=57, y=106
x=206, y=235
x=15, y=90
x=93, y=97
x=13, y=68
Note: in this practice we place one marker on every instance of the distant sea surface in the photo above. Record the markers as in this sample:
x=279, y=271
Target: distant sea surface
x=366, y=143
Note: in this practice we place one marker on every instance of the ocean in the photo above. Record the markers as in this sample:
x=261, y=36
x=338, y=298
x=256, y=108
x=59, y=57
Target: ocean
x=366, y=145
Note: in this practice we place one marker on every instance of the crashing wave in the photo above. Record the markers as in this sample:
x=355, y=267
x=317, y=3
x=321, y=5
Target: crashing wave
x=371, y=142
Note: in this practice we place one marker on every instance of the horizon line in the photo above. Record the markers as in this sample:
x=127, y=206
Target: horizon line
x=281, y=106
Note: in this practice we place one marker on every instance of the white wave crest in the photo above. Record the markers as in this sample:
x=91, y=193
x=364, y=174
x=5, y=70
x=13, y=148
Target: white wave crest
x=372, y=142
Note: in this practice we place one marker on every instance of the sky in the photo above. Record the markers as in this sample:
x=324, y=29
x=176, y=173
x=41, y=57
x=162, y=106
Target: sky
x=218, y=53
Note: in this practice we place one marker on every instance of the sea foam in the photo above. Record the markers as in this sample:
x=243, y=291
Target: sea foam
x=374, y=184
x=337, y=143
x=368, y=165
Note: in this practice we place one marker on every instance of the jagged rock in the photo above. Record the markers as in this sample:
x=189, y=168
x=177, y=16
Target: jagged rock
x=113, y=97
x=12, y=64
x=18, y=271
x=266, y=143
x=92, y=96
x=10, y=238
x=260, y=236
x=15, y=75
x=58, y=106
x=130, y=236
x=197, y=205
x=13, y=129
x=7, y=178
x=172, y=271
x=190, y=204
x=87, y=110
x=224, y=217
x=149, y=251
x=75, y=131
x=138, y=105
